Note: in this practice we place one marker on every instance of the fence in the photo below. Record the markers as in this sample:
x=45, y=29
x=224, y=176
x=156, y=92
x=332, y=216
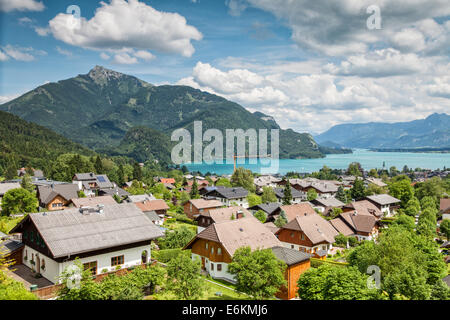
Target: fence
x=52, y=291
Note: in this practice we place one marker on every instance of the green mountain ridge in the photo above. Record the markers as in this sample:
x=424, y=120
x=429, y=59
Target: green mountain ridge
x=32, y=144
x=99, y=109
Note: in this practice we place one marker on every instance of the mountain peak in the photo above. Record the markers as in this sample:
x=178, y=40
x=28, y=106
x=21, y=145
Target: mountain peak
x=101, y=73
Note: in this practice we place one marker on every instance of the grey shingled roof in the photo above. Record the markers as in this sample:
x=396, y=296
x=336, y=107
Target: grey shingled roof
x=93, y=201
x=69, y=232
x=48, y=193
x=279, y=192
x=290, y=256
x=231, y=193
x=329, y=202
x=268, y=208
x=5, y=187
x=141, y=198
x=383, y=199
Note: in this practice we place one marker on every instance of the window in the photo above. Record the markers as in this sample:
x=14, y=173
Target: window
x=212, y=250
x=219, y=267
x=206, y=245
x=212, y=266
x=91, y=266
x=292, y=234
x=57, y=205
x=324, y=247
x=303, y=236
x=219, y=251
x=292, y=246
x=116, y=261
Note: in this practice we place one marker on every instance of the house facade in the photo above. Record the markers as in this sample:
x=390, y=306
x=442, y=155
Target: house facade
x=308, y=233
x=228, y=196
x=57, y=197
x=216, y=245
x=193, y=208
x=297, y=263
x=91, y=183
x=103, y=238
x=386, y=203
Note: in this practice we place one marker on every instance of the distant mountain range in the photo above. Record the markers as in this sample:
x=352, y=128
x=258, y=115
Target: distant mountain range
x=118, y=114
x=432, y=132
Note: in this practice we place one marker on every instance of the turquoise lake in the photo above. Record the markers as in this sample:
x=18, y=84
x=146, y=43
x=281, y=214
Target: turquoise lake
x=368, y=160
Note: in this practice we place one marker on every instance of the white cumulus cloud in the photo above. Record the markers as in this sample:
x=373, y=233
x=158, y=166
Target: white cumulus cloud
x=21, y=5
x=127, y=24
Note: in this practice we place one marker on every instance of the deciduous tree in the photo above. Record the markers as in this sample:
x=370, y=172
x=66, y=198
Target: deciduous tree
x=258, y=273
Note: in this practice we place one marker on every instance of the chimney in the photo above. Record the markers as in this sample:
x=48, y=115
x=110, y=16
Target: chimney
x=85, y=210
x=100, y=208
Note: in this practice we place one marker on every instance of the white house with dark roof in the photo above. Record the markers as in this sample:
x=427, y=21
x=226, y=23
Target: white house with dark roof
x=297, y=196
x=228, y=196
x=90, y=182
x=386, y=203
x=103, y=238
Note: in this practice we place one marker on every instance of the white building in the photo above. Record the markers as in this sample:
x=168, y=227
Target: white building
x=104, y=239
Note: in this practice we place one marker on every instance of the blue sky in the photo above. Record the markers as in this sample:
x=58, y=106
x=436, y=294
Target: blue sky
x=310, y=65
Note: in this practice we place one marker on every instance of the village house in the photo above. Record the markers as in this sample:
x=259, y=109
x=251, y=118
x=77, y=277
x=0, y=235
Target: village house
x=361, y=226
x=444, y=207
x=297, y=263
x=167, y=180
x=90, y=183
x=159, y=206
x=229, y=196
x=364, y=207
x=325, y=206
x=140, y=198
x=386, y=203
x=293, y=210
x=309, y=233
x=57, y=197
x=269, y=208
x=323, y=188
x=114, y=192
x=92, y=202
x=37, y=174
x=216, y=245
x=193, y=208
x=209, y=217
x=375, y=181
x=103, y=238
x=265, y=181
x=128, y=184
x=297, y=196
